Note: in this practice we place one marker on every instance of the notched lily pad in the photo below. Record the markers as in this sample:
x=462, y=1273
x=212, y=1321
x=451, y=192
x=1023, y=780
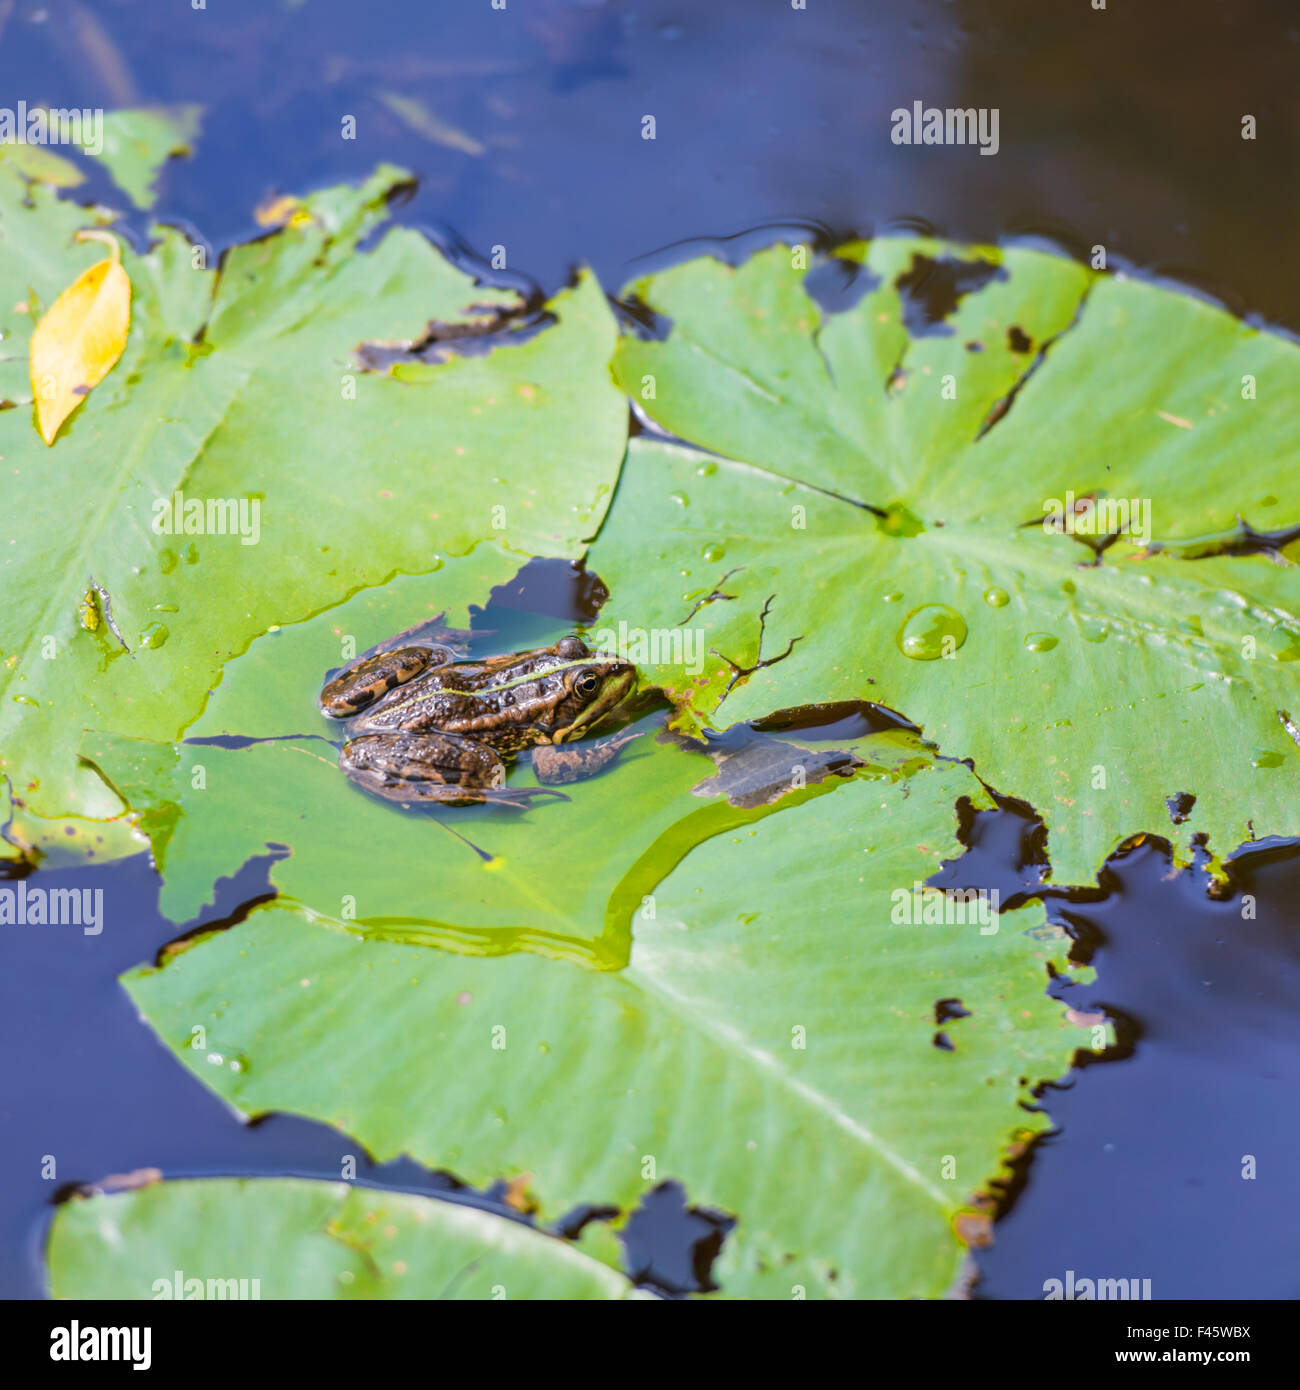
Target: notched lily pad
x=860, y=526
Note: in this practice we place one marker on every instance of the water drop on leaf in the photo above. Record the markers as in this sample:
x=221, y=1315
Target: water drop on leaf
x=927, y=632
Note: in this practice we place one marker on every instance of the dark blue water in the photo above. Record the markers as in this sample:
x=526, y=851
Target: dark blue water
x=1118, y=127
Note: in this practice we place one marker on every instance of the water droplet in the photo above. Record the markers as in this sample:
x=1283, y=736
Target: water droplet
x=1041, y=641
x=27, y=700
x=713, y=552
x=167, y=560
x=154, y=635
x=1291, y=653
x=996, y=598
x=707, y=470
x=1093, y=630
x=165, y=608
x=931, y=631
x=680, y=498
x=894, y=596
x=1266, y=757
x=543, y=1048
x=1068, y=586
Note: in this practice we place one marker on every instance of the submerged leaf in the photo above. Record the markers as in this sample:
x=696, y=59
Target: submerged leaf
x=78, y=341
x=414, y=114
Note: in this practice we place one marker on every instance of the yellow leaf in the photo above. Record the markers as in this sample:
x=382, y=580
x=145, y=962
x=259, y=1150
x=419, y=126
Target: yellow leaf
x=79, y=339
x=280, y=210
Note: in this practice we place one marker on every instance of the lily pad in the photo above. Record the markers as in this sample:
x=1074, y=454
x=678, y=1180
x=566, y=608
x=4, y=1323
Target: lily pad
x=770, y=1045
x=560, y=879
x=879, y=509
x=294, y=1239
x=138, y=142
x=40, y=164
x=239, y=390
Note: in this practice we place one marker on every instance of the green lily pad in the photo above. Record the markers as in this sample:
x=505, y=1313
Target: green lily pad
x=241, y=386
x=770, y=1044
x=560, y=879
x=272, y=689
x=865, y=526
x=291, y=1238
x=138, y=142
x=41, y=164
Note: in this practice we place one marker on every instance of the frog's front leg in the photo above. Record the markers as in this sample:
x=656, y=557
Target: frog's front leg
x=361, y=684
x=432, y=767
x=556, y=764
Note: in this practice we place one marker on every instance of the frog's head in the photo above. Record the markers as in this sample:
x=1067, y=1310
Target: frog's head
x=595, y=683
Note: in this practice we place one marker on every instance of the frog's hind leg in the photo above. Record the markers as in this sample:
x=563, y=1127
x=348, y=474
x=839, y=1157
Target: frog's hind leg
x=433, y=767
x=358, y=686
x=570, y=762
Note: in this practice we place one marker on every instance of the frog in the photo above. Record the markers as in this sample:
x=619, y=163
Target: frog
x=425, y=726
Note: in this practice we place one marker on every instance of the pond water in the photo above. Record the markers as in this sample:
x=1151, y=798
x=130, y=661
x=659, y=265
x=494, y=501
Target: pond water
x=1119, y=128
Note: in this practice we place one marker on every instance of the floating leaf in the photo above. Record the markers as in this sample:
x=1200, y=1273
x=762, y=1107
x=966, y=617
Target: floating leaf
x=770, y=1043
x=873, y=529
x=239, y=386
x=42, y=164
x=291, y=1238
x=78, y=341
x=279, y=210
x=138, y=142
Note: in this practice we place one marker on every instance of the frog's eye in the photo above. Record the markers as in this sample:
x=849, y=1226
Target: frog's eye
x=586, y=683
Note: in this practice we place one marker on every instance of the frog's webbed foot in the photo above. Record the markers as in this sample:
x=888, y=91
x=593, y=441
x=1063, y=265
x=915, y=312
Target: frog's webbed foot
x=557, y=764
x=358, y=686
x=444, y=768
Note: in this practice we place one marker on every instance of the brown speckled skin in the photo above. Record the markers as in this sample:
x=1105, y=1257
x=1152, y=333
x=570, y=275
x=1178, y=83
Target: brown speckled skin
x=424, y=727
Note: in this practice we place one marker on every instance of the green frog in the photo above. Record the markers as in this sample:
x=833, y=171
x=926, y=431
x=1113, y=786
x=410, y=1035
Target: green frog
x=424, y=726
